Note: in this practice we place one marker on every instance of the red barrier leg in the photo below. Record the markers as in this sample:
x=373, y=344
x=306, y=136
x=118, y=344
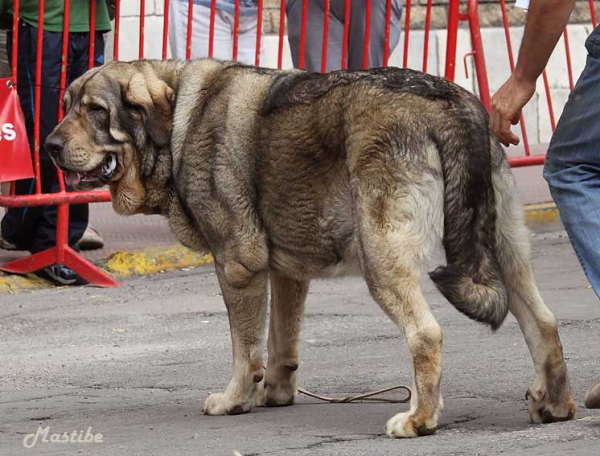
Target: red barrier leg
x=70, y=258
x=62, y=254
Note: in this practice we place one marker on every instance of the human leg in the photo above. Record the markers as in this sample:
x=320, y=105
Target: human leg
x=19, y=225
x=314, y=35
x=572, y=166
x=357, y=32
x=572, y=170
x=247, y=40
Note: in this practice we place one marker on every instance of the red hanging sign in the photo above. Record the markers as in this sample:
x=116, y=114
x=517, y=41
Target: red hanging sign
x=15, y=156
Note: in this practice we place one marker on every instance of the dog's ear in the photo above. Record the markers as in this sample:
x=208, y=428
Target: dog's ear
x=155, y=99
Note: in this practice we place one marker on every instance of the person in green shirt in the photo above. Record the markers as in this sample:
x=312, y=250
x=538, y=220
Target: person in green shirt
x=54, y=11
x=34, y=228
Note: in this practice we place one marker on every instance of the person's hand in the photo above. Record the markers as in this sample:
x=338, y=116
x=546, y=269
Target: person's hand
x=507, y=104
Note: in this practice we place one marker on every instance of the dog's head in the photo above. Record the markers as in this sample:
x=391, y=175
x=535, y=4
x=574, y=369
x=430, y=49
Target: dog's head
x=117, y=119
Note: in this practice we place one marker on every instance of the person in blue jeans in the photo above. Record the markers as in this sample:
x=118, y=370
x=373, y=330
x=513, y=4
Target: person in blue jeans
x=572, y=167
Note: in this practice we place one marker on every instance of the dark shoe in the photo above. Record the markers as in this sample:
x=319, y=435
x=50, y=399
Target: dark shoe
x=592, y=398
x=61, y=275
x=6, y=245
x=90, y=240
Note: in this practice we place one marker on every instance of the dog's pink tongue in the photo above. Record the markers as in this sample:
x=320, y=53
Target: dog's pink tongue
x=72, y=178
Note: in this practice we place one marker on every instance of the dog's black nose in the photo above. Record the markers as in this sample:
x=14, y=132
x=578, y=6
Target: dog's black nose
x=54, y=146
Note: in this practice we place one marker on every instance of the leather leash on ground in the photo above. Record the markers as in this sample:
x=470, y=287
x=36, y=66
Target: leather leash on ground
x=363, y=397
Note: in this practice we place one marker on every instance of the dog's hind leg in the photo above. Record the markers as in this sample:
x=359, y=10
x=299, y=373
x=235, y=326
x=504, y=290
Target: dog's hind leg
x=245, y=295
x=285, y=321
x=401, y=298
x=550, y=394
x=399, y=223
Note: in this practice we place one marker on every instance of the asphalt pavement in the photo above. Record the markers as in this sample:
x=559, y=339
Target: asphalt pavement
x=130, y=366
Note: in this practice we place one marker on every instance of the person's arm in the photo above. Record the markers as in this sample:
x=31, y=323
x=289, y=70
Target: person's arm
x=546, y=20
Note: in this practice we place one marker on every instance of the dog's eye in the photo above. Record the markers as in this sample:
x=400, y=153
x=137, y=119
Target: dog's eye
x=95, y=107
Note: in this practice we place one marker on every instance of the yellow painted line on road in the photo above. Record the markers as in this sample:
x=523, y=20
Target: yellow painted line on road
x=11, y=283
x=541, y=213
x=153, y=259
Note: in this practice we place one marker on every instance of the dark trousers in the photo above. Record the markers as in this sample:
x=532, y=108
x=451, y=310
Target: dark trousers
x=34, y=228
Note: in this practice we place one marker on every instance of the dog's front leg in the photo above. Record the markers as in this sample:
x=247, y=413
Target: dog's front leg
x=245, y=295
x=287, y=310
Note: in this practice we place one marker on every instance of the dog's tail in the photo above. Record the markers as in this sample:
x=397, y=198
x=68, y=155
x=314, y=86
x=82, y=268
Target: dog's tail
x=472, y=279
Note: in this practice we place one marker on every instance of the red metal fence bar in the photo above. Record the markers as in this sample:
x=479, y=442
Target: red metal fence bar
x=407, y=10
x=367, y=43
x=593, y=13
x=37, y=98
x=117, y=29
x=15, y=35
x=325, y=45
x=347, y=12
x=454, y=17
x=259, y=25
x=303, y=34
x=281, y=31
x=427, y=32
x=165, y=42
x=92, y=48
x=386, y=39
x=236, y=30
x=211, y=37
x=142, y=28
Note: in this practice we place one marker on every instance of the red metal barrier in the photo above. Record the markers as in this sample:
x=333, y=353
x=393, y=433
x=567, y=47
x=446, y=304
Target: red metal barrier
x=472, y=16
x=63, y=254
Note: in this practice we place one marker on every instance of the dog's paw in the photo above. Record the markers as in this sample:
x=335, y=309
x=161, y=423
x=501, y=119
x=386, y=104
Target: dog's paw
x=275, y=395
x=222, y=404
x=405, y=425
x=543, y=410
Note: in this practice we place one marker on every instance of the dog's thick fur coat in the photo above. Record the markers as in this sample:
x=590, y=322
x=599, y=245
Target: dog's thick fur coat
x=289, y=176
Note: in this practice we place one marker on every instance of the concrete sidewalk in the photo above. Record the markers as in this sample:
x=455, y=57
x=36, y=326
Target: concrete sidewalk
x=144, y=244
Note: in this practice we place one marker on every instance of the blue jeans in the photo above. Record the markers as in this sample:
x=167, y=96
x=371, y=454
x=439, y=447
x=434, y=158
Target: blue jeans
x=572, y=166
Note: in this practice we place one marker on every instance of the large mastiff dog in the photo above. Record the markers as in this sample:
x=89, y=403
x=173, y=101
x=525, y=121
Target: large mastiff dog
x=290, y=176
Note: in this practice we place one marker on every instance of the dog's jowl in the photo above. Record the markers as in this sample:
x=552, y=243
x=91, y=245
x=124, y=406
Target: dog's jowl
x=287, y=176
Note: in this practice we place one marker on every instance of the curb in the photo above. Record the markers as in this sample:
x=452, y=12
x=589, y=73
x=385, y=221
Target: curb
x=541, y=213
x=543, y=218
x=152, y=260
